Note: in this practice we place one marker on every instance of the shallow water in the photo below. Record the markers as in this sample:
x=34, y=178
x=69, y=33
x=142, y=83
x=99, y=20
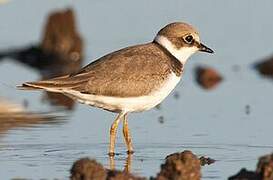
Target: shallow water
x=211, y=123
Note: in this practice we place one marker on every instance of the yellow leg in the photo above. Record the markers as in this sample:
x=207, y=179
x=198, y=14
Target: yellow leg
x=127, y=136
x=113, y=132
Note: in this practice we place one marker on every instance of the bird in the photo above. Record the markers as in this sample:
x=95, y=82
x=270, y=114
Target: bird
x=132, y=79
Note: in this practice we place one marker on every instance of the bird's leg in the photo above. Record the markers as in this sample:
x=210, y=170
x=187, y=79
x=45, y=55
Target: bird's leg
x=128, y=163
x=127, y=136
x=113, y=132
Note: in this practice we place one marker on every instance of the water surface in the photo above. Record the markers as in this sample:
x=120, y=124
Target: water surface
x=211, y=123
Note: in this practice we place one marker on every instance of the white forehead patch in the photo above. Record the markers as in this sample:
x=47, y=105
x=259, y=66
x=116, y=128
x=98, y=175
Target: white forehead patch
x=181, y=54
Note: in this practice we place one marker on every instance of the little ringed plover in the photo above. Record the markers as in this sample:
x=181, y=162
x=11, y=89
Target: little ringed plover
x=132, y=79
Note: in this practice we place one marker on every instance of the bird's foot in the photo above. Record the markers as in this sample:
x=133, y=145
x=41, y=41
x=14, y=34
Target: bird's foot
x=129, y=152
x=111, y=154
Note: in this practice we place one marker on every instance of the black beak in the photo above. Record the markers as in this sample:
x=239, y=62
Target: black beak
x=204, y=48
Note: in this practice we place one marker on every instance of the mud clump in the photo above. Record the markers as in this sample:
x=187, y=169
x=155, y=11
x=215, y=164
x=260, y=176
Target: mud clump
x=265, y=167
x=265, y=67
x=62, y=39
x=206, y=161
x=180, y=166
x=246, y=175
x=207, y=77
x=87, y=169
x=264, y=170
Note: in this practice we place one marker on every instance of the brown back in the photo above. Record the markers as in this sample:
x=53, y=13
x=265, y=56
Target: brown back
x=130, y=72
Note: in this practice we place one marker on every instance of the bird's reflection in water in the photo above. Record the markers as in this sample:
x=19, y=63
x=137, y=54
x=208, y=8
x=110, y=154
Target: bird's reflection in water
x=127, y=163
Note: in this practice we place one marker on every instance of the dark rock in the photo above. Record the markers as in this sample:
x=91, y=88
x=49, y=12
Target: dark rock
x=180, y=166
x=206, y=161
x=264, y=170
x=246, y=175
x=206, y=77
x=32, y=56
x=265, y=67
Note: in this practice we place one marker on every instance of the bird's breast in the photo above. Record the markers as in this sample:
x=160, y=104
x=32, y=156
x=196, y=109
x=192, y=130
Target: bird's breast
x=142, y=103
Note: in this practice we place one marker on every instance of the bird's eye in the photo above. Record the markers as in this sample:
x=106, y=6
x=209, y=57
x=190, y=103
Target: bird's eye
x=188, y=39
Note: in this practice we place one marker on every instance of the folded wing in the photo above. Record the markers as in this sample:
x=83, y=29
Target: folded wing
x=129, y=72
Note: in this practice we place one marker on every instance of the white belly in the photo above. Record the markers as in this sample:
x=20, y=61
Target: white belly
x=130, y=104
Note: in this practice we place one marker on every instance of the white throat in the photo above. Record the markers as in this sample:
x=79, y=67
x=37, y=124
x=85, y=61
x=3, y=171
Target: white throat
x=181, y=54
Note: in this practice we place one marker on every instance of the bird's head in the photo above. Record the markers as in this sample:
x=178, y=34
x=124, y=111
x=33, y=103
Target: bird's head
x=181, y=40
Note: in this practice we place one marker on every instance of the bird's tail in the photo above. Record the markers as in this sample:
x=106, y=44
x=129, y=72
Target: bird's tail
x=58, y=84
x=53, y=85
x=39, y=85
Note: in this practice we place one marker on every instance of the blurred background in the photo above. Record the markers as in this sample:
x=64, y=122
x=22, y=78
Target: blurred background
x=222, y=108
